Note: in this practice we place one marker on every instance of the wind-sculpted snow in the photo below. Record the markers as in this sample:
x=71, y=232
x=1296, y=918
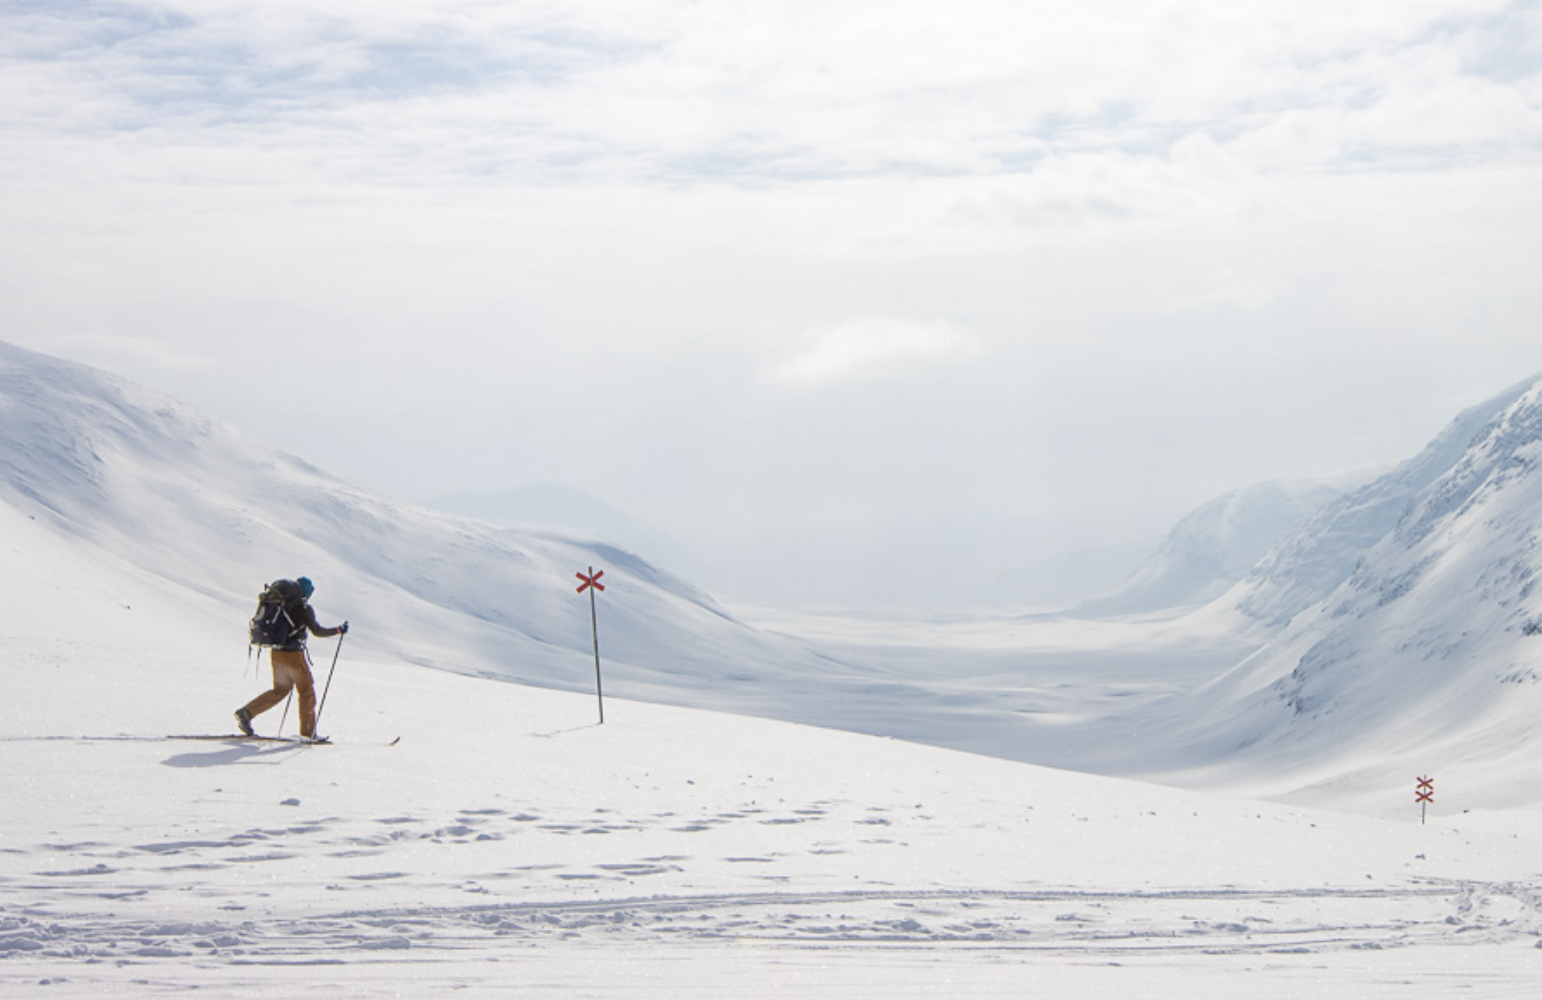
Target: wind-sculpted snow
x=1506, y=450
x=1307, y=566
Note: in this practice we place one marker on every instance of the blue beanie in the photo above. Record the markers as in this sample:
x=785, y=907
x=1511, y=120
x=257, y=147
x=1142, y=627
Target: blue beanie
x=306, y=587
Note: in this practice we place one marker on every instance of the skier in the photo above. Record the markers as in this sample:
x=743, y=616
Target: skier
x=291, y=664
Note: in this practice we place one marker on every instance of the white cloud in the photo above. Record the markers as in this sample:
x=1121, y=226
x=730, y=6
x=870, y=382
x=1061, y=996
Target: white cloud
x=570, y=90
x=124, y=354
x=877, y=347
x=461, y=216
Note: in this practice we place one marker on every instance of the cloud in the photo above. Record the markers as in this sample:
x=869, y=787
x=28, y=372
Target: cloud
x=877, y=347
x=122, y=353
x=666, y=91
x=465, y=216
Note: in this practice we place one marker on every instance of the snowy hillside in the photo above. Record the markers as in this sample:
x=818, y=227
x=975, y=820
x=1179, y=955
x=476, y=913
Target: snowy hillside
x=1307, y=566
x=471, y=837
x=180, y=503
x=509, y=846
x=1427, y=655
x=161, y=506
x=1215, y=546
x=128, y=511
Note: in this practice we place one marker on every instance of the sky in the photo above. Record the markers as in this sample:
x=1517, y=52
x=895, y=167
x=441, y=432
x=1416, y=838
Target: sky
x=858, y=303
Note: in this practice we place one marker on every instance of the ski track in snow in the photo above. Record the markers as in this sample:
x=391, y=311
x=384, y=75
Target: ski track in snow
x=98, y=901
x=523, y=850
x=1067, y=922
x=677, y=854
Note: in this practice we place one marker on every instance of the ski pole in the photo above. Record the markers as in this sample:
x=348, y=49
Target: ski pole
x=322, y=707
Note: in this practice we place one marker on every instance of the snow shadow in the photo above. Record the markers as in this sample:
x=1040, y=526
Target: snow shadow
x=243, y=753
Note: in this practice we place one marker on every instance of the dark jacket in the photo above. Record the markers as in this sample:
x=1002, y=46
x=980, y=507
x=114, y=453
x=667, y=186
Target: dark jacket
x=307, y=618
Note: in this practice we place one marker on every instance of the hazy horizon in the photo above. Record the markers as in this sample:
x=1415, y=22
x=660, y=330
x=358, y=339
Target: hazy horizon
x=865, y=305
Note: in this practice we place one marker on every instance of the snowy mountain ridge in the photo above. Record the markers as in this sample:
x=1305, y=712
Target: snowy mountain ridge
x=1215, y=546
x=1428, y=650
x=1305, y=567
x=1400, y=623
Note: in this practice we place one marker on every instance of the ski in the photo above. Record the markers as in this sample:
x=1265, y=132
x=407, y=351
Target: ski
x=292, y=740
x=296, y=740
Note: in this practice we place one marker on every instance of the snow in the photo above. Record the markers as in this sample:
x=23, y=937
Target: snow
x=780, y=842
x=510, y=844
x=1424, y=652
x=1307, y=566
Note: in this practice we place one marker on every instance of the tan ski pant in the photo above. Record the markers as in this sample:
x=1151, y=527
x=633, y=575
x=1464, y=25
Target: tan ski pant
x=291, y=670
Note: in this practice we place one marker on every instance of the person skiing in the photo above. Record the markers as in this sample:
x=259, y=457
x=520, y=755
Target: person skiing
x=291, y=664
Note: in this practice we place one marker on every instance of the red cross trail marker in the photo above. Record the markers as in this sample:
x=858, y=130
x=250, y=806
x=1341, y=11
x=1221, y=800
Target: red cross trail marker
x=1424, y=794
x=592, y=583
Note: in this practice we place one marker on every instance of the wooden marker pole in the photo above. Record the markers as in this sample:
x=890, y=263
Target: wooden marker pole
x=592, y=583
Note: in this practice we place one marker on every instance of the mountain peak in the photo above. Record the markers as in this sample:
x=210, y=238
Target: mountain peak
x=1413, y=613
x=1215, y=545
x=1307, y=565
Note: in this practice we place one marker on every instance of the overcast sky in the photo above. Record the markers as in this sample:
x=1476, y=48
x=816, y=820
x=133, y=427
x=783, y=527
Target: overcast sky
x=867, y=301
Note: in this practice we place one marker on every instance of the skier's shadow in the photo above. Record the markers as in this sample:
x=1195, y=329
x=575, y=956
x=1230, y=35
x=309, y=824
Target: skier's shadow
x=243, y=753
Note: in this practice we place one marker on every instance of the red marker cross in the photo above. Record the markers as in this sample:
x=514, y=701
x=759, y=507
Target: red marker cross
x=1425, y=791
x=591, y=581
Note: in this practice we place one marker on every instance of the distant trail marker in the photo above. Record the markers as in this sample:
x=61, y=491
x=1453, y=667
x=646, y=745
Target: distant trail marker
x=1424, y=794
x=592, y=583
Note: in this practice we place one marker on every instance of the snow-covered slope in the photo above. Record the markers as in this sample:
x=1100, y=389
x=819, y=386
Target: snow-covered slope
x=159, y=506
x=179, y=502
x=1215, y=546
x=508, y=846
x=123, y=510
x=1424, y=649
x=1309, y=564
